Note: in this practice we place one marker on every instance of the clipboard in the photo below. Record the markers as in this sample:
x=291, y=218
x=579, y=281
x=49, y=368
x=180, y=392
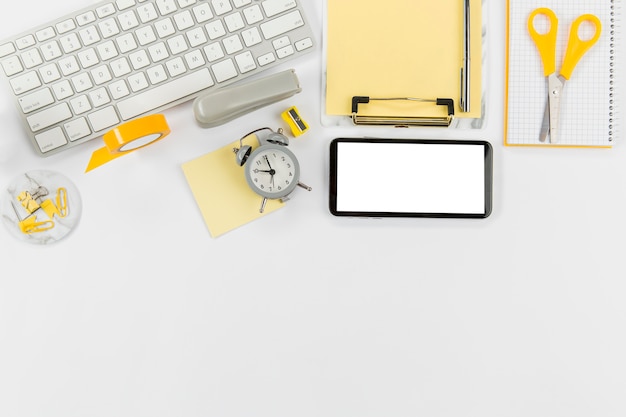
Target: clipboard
x=406, y=54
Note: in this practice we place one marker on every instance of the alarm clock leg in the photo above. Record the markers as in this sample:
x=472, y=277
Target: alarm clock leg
x=262, y=209
x=306, y=187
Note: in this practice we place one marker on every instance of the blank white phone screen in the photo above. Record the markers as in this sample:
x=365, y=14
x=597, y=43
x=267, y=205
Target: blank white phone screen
x=410, y=178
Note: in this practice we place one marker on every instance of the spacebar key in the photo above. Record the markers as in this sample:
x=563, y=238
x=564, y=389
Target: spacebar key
x=164, y=94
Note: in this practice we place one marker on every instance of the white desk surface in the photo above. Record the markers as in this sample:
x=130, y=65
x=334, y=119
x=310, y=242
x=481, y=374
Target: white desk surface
x=140, y=312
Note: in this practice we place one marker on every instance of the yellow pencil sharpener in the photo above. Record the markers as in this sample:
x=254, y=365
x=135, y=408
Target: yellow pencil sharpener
x=295, y=122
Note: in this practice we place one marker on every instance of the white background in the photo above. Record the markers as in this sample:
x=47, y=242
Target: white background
x=140, y=312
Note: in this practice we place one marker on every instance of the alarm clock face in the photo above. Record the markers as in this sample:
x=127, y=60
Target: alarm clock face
x=272, y=171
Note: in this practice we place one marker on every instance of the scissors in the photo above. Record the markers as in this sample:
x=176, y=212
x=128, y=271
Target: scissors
x=546, y=44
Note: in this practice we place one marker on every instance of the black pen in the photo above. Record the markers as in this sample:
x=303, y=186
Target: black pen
x=465, y=69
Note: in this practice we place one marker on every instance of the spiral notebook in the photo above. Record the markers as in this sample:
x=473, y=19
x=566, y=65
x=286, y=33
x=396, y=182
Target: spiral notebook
x=588, y=109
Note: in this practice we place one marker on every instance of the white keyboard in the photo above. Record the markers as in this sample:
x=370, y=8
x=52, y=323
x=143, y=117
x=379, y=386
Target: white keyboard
x=78, y=76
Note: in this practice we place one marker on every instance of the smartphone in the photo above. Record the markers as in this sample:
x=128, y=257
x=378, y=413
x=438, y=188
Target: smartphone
x=410, y=178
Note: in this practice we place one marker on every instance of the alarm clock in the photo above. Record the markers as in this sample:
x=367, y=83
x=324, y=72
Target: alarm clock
x=271, y=170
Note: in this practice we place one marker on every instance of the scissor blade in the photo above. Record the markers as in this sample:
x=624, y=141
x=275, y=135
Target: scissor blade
x=545, y=123
x=555, y=88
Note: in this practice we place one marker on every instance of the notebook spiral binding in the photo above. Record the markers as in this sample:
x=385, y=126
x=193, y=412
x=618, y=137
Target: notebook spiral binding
x=615, y=33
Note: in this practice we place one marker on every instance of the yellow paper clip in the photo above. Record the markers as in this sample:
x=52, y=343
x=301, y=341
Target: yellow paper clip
x=295, y=122
x=30, y=224
x=62, y=202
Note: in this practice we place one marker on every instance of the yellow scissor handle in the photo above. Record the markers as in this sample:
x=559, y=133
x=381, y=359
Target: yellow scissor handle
x=545, y=42
x=577, y=47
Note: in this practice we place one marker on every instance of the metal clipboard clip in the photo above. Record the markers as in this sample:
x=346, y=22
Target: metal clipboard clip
x=402, y=121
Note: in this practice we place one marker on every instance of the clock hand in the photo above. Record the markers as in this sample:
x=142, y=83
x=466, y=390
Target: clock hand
x=272, y=171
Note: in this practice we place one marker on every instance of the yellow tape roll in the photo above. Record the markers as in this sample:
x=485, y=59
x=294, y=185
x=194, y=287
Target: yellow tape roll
x=129, y=137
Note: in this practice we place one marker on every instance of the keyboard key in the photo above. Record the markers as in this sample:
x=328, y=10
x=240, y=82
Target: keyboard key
x=251, y=37
x=232, y=44
x=25, y=83
x=176, y=67
x=183, y=20
x=253, y=14
x=157, y=74
x=147, y=13
x=124, y=4
x=77, y=129
x=89, y=36
x=166, y=6
x=245, y=62
x=282, y=25
x=49, y=117
x=303, y=44
x=51, y=139
x=35, y=101
x=128, y=20
x=102, y=119
x=274, y=7
x=51, y=50
x=266, y=59
x=49, y=73
x=12, y=66
x=80, y=104
x=6, y=49
x=214, y=52
x=234, y=22
x=165, y=93
x=185, y=3
x=224, y=70
x=240, y=3
x=65, y=26
x=86, y=18
x=99, y=97
x=221, y=7
x=109, y=28
x=45, y=34
x=69, y=65
x=215, y=29
x=119, y=89
x=32, y=58
x=62, y=90
x=194, y=59
x=283, y=53
x=25, y=42
x=105, y=10
x=202, y=13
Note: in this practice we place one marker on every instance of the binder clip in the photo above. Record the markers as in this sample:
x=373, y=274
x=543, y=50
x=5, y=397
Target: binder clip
x=400, y=121
x=30, y=224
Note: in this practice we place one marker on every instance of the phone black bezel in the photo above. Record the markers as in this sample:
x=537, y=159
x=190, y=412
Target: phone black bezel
x=488, y=179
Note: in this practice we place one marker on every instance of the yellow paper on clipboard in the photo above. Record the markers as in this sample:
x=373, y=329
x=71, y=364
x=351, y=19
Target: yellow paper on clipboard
x=400, y=48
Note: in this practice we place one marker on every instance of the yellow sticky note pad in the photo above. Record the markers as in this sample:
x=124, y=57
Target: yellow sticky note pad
x=220, y=189
x=400, y=48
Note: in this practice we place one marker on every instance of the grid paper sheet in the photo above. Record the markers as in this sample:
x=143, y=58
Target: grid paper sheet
x=586, y=102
